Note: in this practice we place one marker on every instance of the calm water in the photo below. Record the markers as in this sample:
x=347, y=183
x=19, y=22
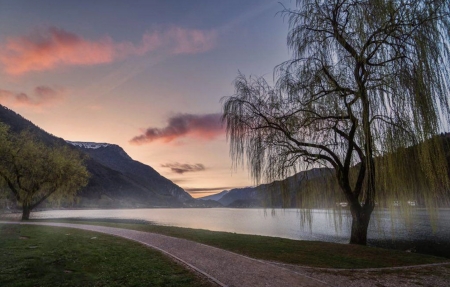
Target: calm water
x=278, y=223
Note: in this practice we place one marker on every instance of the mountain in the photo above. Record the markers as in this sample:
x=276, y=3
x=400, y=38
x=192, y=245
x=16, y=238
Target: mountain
x=271, y=194
x=116, y=179
x=17, y=123
x=245, y=195
x=136, y=178
x=215, y=197
x=288, y=192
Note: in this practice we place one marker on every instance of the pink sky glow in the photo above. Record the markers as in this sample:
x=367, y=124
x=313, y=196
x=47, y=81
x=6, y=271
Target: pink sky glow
x=148, y=76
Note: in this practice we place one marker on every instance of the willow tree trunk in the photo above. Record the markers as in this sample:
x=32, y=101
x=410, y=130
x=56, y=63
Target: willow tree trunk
x=360, y=224
x=361, y=213
x=26, y=210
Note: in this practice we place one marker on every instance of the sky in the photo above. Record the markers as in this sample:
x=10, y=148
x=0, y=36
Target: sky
x=148, y=76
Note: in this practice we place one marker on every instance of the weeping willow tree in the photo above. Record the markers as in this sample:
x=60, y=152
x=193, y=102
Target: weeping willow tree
x=368, y=81
x=34, y=172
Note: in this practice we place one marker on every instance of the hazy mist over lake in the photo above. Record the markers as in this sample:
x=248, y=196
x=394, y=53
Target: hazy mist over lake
x=285, y=223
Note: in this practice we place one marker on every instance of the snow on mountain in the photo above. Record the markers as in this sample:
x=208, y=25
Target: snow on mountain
x=90, y=145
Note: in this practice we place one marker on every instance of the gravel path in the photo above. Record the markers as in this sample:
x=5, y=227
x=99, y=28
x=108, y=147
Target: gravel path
x=222, y=267
x=230, y=269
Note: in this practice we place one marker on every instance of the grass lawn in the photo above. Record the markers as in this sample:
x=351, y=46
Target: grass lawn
x=306, y=253
x=49, y=256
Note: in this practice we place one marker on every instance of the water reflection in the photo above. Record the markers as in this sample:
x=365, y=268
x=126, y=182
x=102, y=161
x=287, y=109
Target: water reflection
x=286, y=223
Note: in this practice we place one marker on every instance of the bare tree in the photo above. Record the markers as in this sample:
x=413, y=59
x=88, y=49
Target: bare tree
x=367, y=78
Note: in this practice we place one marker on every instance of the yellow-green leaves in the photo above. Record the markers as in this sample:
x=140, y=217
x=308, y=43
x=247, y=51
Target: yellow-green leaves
x=35, y=172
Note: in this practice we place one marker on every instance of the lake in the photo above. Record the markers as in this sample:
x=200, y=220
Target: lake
x=284, y=223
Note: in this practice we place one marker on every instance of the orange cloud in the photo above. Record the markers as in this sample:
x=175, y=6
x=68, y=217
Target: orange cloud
x=207, y=127
x=54, y=47
x=41, y=96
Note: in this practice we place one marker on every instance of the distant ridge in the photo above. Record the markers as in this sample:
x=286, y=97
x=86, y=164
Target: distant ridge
x=268, y=195
x=216, y=196
x=288, y=192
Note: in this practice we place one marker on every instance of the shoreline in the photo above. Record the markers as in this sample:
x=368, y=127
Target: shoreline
x=439, y=248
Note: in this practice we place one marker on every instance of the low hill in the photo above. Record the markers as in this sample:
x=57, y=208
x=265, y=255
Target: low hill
x=282, y=193
x=288, y=192
x=215, y=197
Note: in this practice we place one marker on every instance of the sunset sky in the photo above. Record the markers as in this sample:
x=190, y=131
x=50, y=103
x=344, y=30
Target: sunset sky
x=145, y=75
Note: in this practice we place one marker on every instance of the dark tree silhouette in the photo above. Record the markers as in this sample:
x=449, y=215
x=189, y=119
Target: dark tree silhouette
x=366, y=79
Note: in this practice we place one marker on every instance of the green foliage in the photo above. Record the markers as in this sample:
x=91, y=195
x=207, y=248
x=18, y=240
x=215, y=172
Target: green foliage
x=34, y=172
x=48, y=256
x=367, y=79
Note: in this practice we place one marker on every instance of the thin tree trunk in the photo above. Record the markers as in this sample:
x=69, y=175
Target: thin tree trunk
x=26, y=210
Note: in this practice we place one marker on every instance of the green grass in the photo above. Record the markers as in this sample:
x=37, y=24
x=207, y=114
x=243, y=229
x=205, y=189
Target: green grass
x=305, y=253
x=50, y=256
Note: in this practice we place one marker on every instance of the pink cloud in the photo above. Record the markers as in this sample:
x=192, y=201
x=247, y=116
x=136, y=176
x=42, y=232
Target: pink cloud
x=41, y=96
x=181, y=168
x=54, y=47
x=206, y=127
x=45, y=50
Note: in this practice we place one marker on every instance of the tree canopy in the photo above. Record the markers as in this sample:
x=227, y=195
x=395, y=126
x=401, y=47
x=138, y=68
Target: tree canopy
x=34, y=172
x=366, y=80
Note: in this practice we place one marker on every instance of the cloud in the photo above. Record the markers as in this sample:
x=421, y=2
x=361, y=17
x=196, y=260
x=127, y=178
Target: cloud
x=207, y=127
x=182, y=168
x=191, y=41
x=206, y=190
x=41, y=96
x=47, y=49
